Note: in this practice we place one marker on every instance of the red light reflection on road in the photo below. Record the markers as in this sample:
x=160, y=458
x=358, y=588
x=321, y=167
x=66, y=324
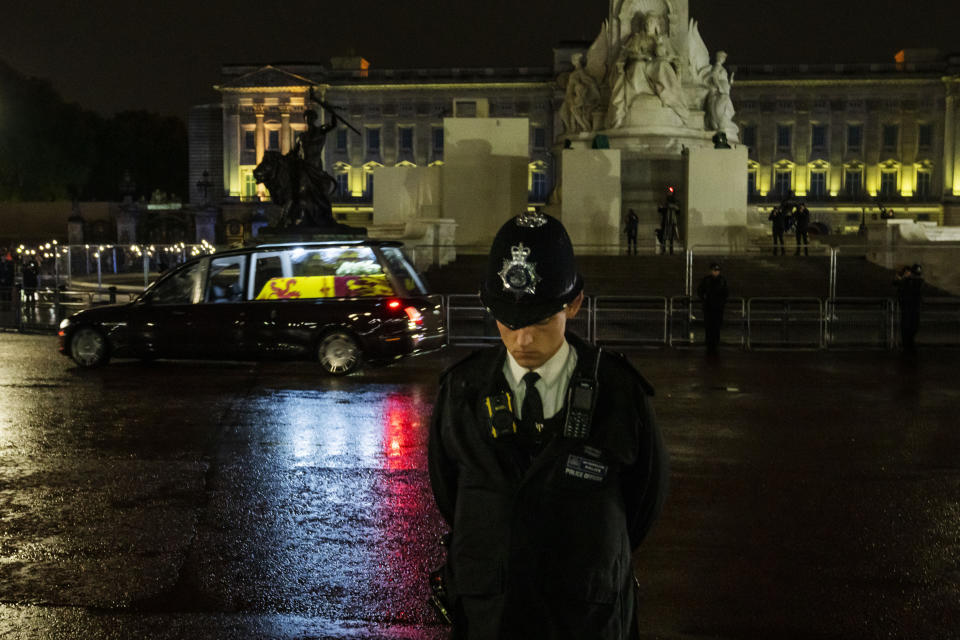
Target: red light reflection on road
x=402, y=416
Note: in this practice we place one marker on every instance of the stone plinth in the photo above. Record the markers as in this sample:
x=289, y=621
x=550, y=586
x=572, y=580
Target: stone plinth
x=714, y=199
x=405, y=193
x=590, y=205
x=484, y=178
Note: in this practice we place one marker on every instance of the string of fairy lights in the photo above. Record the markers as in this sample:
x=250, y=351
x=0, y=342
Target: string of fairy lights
x=53, y=249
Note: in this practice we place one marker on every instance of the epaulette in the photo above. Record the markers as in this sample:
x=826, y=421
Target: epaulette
x=643, y=382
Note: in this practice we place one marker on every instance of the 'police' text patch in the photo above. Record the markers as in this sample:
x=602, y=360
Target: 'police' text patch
x=585, y=469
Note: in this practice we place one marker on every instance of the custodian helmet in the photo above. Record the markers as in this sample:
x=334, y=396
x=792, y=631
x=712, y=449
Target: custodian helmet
x=531, y=272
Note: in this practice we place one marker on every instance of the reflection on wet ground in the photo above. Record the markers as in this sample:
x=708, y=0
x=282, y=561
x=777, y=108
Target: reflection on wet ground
x=813, y=495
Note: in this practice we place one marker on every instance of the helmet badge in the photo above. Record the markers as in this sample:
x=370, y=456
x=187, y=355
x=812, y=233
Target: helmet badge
x=518, y=275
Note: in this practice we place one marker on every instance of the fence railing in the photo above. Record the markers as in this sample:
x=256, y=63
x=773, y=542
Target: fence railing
x=43, y=309
x=749, y=323
x=620, y=321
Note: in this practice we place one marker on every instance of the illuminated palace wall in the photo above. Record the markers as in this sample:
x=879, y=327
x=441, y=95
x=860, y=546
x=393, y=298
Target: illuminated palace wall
x=841, y=137
x=398, y=117
x=845, y=137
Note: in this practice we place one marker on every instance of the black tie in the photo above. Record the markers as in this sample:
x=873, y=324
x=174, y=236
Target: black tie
x=532, y=405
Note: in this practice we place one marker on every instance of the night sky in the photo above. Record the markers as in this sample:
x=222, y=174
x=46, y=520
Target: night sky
x=166, y=58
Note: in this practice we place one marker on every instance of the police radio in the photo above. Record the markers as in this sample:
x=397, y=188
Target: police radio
x=581, y=400
x=500, y=415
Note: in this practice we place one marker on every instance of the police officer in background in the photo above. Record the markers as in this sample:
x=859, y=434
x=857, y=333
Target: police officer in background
x=713, y=293
x=545, y=459
x=909, y=283
x=802, y=227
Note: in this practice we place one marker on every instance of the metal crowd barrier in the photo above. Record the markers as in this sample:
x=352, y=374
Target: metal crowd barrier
x=860, y=323
x=939, y=322
x=624, y=321
x=785, y=323
x=686, y=322
x=619, y=320
x=43, y=309
x=469, y=324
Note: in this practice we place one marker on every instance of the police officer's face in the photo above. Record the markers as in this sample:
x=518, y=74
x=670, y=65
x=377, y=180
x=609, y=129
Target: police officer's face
x=533, y=345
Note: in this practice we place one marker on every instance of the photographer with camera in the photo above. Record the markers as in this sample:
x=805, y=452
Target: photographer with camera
x=545, y=460
x=779, y=219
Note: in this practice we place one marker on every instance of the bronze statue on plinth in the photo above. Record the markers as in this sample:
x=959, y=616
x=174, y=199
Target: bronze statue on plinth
x=298, y=182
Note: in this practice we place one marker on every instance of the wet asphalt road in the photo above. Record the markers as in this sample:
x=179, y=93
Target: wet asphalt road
x=814, y=495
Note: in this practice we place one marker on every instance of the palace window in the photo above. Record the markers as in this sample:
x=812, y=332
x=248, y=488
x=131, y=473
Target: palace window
x=818, y=184
x=749, y=135
x=783, y=182
x=818, y=136
x=373, y=141
x=853, y=182
x=249, y=185
x=437, y=136
x=341, y=143
x=538, y=186
x=752, y=183
x=368, y=190
x=249, y=140
x=465, y=109
x=343, y=184
x=273, y=140
x=925, y=135
x=406, y=140
x=891, y=135
x=784, y=137
x=854, y=137
x=539, y=138
x=888, y=184
x=923, y=185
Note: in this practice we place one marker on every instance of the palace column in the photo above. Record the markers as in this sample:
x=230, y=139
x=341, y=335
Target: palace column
x=260, y=133
x=951, y=183
x=285, y=137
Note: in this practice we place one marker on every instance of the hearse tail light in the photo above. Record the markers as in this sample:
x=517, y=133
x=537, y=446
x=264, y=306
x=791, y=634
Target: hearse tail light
x=414, y=315
x=393, y=304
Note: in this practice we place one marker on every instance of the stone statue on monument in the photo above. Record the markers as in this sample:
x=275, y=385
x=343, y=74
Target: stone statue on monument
x=648, y=69
x=582, y=98
x=719, y=106
x=646, y=65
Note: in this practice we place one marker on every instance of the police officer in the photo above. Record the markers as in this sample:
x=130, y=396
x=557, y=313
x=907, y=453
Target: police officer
x=801, y=227
x=633, y=221
x=713, y=293
x=909, y=283
x=545, y=459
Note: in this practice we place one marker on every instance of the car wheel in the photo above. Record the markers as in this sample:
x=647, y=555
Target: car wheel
x=339, y=353
x=88, y=347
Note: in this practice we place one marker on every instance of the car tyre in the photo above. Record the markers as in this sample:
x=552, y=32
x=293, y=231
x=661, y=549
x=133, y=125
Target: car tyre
x=89, y=347
x=338, y=353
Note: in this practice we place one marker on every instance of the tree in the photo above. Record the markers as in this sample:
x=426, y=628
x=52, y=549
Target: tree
x=53, y=150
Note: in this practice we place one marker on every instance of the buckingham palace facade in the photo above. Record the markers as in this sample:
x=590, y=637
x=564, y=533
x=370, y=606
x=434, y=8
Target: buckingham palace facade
x=847, y=139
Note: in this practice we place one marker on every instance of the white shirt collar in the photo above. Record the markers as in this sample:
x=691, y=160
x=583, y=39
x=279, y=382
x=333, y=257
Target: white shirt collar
x=549, y=371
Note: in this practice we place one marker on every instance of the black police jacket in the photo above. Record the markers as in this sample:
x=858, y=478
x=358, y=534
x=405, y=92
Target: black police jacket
x=713, y=291
x=541, y=547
